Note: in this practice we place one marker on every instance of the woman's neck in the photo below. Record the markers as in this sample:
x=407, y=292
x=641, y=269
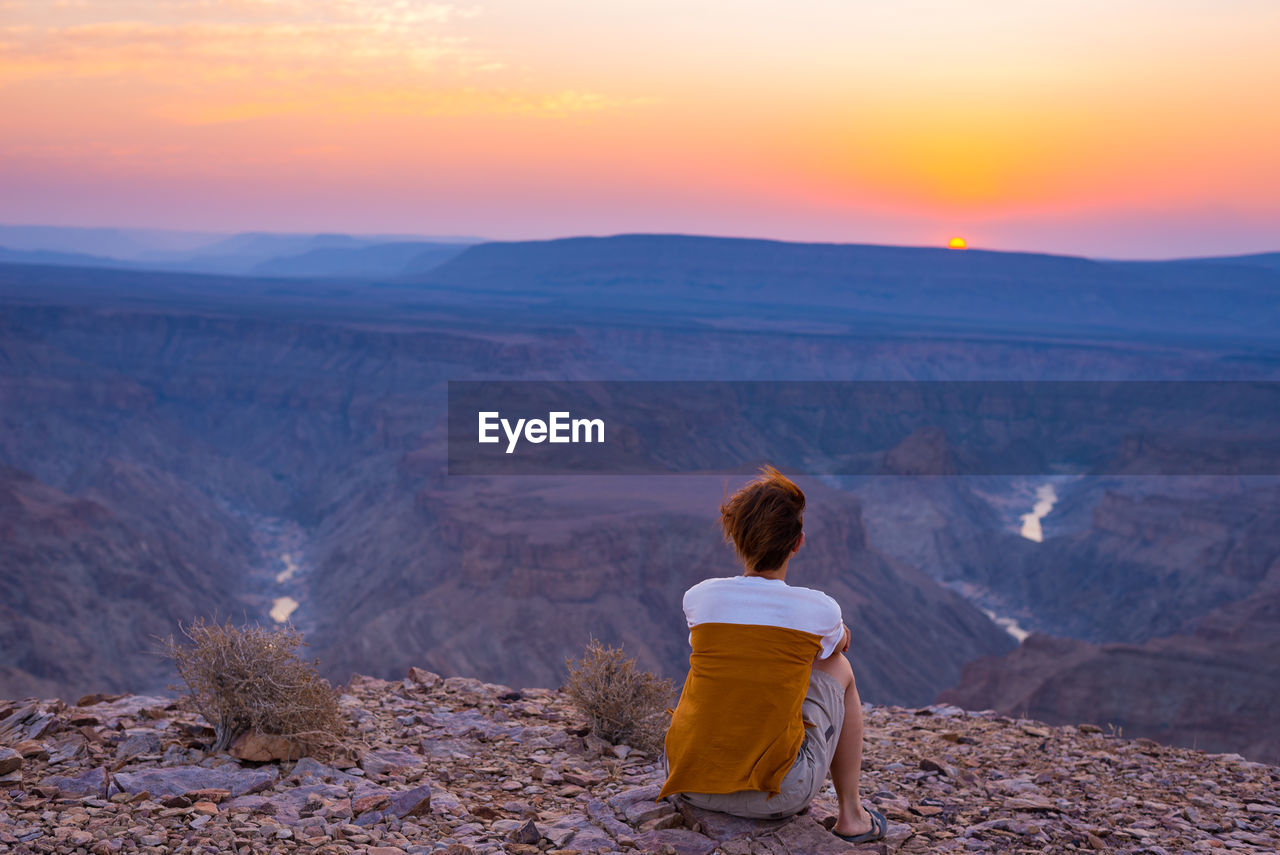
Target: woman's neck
x=780, y=574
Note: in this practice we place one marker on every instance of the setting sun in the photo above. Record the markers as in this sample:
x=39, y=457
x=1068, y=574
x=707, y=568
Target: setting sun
x=957, y=243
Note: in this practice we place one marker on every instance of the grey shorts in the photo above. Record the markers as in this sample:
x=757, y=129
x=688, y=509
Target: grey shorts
x=824, y=708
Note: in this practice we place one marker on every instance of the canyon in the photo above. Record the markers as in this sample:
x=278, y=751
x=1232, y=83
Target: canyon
x=178, y=445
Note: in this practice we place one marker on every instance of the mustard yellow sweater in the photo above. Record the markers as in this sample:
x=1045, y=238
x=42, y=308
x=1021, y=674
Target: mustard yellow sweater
x=738, y=725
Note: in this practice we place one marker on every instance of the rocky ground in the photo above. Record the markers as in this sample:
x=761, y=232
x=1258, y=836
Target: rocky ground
x=459, y=766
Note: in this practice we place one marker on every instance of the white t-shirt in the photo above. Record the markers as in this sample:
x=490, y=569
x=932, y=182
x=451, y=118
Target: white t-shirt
x=759, y=601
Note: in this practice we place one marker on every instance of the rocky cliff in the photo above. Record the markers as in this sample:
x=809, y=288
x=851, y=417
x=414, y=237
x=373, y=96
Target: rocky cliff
x=1175, y=688
x=246, y=421
x=1173, y=600
x=91, y=580
x=1154, y=557
x=470, y=768
x=509, y=594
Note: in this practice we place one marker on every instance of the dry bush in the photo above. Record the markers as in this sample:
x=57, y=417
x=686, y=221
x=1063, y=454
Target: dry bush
x=250, y=678
x=622, y=703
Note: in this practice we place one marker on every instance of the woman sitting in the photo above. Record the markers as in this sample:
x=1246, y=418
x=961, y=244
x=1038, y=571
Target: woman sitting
x=770, y=703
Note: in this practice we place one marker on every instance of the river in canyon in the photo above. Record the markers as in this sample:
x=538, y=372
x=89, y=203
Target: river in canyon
x=278, y=584
x=1046, y=498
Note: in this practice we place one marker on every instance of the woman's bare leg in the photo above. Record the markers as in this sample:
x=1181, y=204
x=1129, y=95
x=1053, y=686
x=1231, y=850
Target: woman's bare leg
x=846, y=765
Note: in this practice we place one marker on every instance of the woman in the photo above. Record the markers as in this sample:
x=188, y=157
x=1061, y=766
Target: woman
x=770, y=703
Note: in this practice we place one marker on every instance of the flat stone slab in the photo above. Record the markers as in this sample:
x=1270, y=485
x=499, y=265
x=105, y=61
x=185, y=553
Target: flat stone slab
x=797, y=835
x=682, y=840
x=139, y=740
x=308, y=770
x=90, y=782
x=403, y=804
x=9, y=760
x=723, y=826
x=389, y=762
x=576, y=831
x=639, y=804
x=445, y=749
x=289, y=803
x=128, y=706
x=177, y=780
x=806, y=837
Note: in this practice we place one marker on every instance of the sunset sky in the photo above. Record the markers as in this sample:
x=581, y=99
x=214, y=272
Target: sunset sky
x=1126, y=128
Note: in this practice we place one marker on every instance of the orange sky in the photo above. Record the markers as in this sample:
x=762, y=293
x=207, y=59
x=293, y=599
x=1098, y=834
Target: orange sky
x=1126, y=127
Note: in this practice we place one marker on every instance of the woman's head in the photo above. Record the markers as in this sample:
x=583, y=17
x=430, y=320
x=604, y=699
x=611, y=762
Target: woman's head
x=764, y=520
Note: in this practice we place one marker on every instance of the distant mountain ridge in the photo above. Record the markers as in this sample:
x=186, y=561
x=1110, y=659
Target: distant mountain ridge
x=1269, y=260
x=383, y=260
x=60, y=259
x=104, y=241
x=247, y=253
x=976, y=289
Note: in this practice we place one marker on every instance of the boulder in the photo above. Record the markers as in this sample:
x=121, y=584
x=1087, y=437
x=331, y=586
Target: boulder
x=425, y=679
x=256, y=747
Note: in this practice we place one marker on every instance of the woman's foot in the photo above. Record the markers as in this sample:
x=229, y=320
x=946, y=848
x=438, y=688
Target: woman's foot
x=852, y=820
x=858, y=825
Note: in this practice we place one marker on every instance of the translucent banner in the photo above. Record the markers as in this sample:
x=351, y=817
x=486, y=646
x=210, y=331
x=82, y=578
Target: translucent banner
x=864, y=428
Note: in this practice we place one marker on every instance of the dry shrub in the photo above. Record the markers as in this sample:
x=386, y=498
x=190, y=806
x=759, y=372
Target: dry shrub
x=622, y=703
x=250, y=678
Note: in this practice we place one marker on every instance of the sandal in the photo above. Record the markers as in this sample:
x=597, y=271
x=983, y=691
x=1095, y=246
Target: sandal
x=879, y=827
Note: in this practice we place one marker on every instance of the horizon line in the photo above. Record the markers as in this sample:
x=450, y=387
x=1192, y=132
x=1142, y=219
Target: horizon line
x=480, y=240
